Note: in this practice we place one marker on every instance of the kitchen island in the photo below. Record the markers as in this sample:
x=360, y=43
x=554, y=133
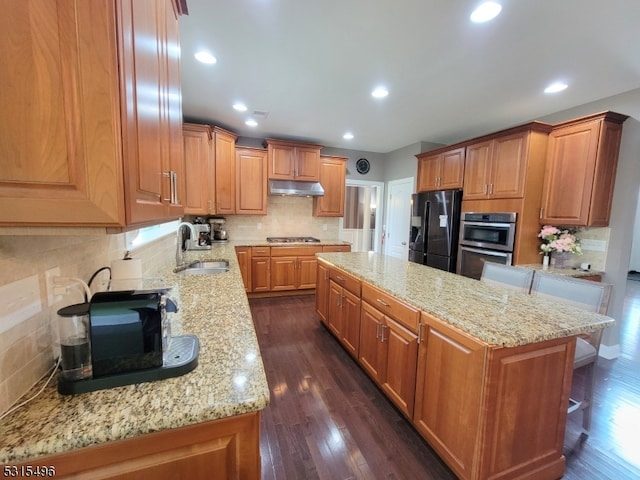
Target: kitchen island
x=205, y=420
x=483, y=373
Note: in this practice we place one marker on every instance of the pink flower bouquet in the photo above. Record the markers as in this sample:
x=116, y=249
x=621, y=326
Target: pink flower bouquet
x=557, y=240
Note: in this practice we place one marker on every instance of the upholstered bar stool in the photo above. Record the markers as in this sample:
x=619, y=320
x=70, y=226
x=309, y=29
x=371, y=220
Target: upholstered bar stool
x=513, y=278
x=588, y=295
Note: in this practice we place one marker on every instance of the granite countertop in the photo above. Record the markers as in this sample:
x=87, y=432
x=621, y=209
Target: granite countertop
x=494, y=315
x=566, y=272
x=264, y=243
x=229, y=379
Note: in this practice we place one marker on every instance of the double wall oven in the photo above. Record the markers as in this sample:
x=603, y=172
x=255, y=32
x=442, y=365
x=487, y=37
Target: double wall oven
x=485, y=237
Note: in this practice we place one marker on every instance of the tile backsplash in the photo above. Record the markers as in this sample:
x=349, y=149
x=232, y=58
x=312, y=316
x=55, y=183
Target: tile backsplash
x=288, y=217
x=28, y=319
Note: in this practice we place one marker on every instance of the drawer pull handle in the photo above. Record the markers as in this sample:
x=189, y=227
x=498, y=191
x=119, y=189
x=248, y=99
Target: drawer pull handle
x=419, y=333
x=382, y=302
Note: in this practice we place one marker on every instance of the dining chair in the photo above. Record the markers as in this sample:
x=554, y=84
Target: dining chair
x=506, y=276
x=587, y=295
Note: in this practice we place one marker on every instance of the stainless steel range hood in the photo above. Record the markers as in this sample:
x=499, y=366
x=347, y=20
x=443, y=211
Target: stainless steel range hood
x=294, y=188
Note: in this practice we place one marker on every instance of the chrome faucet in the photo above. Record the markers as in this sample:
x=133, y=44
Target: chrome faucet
x=180, y=240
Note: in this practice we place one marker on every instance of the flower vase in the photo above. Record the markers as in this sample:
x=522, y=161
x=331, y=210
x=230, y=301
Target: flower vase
x=545, y=261
x=560, y=259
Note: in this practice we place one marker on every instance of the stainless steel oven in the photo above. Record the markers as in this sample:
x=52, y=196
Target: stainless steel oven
x=485, y=237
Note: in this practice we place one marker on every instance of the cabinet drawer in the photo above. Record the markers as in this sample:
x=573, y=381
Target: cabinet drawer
x=260, y=251
x=345, y=280
x=336, y=248
x=391, y=306
x=294, y=251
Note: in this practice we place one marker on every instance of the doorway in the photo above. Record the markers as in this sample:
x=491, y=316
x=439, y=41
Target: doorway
x=396, y=237
x=362, y=221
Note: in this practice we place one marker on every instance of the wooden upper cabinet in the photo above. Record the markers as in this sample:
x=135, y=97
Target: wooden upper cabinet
x=149, y=63
x=60, y=150
x=225, y=168
x=251, y=181
x=199, y=170
x=80, y=145
x=441, y=171
x=293, y=161
x=496, y=168
x=333, y=173
x=581, y=168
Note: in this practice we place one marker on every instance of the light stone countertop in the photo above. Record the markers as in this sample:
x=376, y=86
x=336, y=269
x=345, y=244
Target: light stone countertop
x=565, y=272
x=496, y=316
x=229, y=379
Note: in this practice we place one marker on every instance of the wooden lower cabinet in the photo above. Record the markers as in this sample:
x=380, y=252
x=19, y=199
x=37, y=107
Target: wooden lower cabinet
x=260, y=274
x=293, y=268
x=344, y=317
x=388, y=353
x=226, y=448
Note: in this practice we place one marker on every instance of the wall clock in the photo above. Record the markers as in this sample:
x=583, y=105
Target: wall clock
x=362, y=165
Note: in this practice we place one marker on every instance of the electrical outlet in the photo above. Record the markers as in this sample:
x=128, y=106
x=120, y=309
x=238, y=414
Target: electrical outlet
x=49, y=275
x=324, y=227
x=259, y=226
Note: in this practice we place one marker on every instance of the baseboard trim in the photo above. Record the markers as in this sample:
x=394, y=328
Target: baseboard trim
x=609, y=351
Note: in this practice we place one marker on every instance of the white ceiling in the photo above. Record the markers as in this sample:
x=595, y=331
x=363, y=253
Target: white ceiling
x=311, y=64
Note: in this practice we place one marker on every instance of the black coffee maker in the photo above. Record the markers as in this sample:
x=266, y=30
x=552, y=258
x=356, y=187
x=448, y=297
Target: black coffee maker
x=131, y=342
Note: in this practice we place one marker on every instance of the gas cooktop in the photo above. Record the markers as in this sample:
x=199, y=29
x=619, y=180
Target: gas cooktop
x=292, y=240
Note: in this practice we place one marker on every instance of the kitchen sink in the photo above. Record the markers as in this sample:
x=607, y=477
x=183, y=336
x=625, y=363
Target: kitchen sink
x=204, y=267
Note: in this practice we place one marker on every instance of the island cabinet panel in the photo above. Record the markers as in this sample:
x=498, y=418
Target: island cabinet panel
x=229, y=447
x=322, y=292
x=582, y=161
x=449, y=393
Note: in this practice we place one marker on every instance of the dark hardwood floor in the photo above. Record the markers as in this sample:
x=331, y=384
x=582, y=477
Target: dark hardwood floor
x=327, y=420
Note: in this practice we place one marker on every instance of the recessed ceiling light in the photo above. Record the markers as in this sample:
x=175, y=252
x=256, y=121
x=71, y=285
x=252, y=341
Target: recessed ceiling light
x=205, y=57
x=486, y=11
x=251, y=123
x=241, y=107
x=380, y=92
x=348, y=136
x=555, y=87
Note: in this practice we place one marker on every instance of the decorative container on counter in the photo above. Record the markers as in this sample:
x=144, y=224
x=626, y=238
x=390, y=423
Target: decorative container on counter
x=560, y=259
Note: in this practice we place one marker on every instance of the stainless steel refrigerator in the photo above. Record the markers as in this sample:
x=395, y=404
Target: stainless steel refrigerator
x=435, y=225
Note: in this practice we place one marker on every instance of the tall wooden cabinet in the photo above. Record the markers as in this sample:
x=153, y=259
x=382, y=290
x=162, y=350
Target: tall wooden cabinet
x=225, y=168
x=333, y=174
x=80, y=143
x=199, y=170
x=441, y=169
x=251, y=181
x=581, y=170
